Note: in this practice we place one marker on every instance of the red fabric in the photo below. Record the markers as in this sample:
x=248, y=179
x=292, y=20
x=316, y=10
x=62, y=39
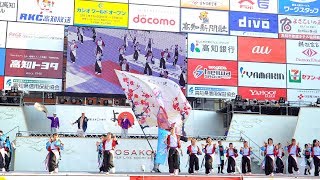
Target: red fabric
x=235, y=154
x=297, y=150
x=178, y=139
x=114, y=144
x=189, y=150
x=213, y=149
x=275, y=152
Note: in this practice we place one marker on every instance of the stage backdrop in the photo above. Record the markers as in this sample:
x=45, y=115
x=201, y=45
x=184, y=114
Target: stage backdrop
x=130, y=155
x=81, y=76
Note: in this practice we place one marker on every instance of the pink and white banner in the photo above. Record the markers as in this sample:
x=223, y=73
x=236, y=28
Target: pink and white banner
x=158, y=101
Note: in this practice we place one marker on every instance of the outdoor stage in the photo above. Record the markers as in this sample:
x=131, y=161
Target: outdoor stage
x=137, y=176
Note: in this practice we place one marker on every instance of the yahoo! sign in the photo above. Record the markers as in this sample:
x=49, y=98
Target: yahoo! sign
x=154, y=18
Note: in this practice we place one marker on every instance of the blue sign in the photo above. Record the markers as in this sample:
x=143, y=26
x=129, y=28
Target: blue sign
x=253, y=24
x=300, y=7
x=2, y=61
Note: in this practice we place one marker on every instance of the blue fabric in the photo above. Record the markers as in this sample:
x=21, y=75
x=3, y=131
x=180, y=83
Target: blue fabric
x=162, y=152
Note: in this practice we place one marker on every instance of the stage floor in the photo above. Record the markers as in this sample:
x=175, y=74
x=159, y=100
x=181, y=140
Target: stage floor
x=165, y=176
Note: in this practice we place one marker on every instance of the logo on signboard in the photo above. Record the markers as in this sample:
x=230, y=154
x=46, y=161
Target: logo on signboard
x=295, y=76
x=256, y=23
x=9, y=82
x=204, y=17
x=212, y=72
x=310, y=52
x=45, y=6
x=261, y=75
x=266, y=94
x=247, y=4
x=194, y=47
x=300, y=97
x=261, y=50
x=191, y=90
x=286, y=24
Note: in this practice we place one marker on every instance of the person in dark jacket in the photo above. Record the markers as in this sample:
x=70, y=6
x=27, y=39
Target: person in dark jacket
x=82, y=123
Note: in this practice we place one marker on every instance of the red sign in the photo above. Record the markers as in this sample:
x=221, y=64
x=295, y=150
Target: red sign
x=1, y=82
x=262, y=93
x=36, y=64
x=129, y=117
x=262, y=50
x=212, y=72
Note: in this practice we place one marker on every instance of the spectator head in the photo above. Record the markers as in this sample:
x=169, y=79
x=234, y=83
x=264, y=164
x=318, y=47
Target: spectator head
x=270, y=141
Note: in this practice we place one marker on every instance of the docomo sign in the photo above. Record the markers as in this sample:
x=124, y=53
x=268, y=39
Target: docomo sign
x=154, y=18
x=261, y=93
x=143, y=19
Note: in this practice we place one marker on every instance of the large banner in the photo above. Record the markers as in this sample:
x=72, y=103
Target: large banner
x=154, y=18
x=204, y=21
x=298, y=27
x=49, y=12
x=303, y=52
x=303, y=76
x=303, y=95
x=260, y=6
x=212, y=72
x=103, y=14
x=262, y=75
x=3, y=33
x=262, y=94
x=213, y=92
x=127, y=50
x=262, y=50
x=2, y=61
x=35, y=36
x=206, y=4
x=209, y=46
x=31, y=63
x=175, y=3
x=300, y=7
x=253, y=24
x=33, y=84
x=8, y=10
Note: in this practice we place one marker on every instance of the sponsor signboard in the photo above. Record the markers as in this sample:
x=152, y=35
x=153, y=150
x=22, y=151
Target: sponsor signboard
x=35, y=36
x=204, y=21
x=206, y=4
x=154, y=18
x=253, y=24
x=300, y=7
x=2, y=61
x=262, y=50
x=49, y=12
x=262, y=75
x=3, y=33
x=303, y=76
x=33, y=84
x=215, y=92
x=303, y=95
x=175, y=3
x=209, y=46
x=104, y=14
x=262, y=93
x=31, y=63
x=8, y=10
x=303, y=52
x=119, y=1
x=260, y=6
x=298, y=27
x=212, y=72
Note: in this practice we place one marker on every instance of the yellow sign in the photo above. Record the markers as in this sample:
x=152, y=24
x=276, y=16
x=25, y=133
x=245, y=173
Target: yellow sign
x=2, y=178
x=105, y=14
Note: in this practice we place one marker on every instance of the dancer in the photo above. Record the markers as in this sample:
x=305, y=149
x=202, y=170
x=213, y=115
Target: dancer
x=149, y=60
x=220, y=152
x=294, y=151
x=149, y=45
x=125, y=125
x=316, y=157
x=100, y=45
x=136, y=48
x=209, y=151
x=122, y=50
x=82, y=124
x=125, y=41
x=73, y=51
x=9, y=147
x=109, y=144
x=80, y=34
x=279, y=160
x=98, y=64
x=2, y=152
x=124, y=65
x=173, y=145
x=193, y=150
x=307, y=157
x=165, y=55
x=54, y=146
x=232, y=154
x=54, y=123
x=270, y=153
x=94, y=35
x=176, y=54
x=99, y=145
x=246, y=152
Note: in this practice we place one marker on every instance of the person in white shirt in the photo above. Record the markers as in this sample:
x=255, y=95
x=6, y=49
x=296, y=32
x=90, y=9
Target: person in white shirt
x=294, y=152
x=209, y=151
x=109, y=144
x=270, y=153
x=246, y=151
x=173, y=145
x=193, y=151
